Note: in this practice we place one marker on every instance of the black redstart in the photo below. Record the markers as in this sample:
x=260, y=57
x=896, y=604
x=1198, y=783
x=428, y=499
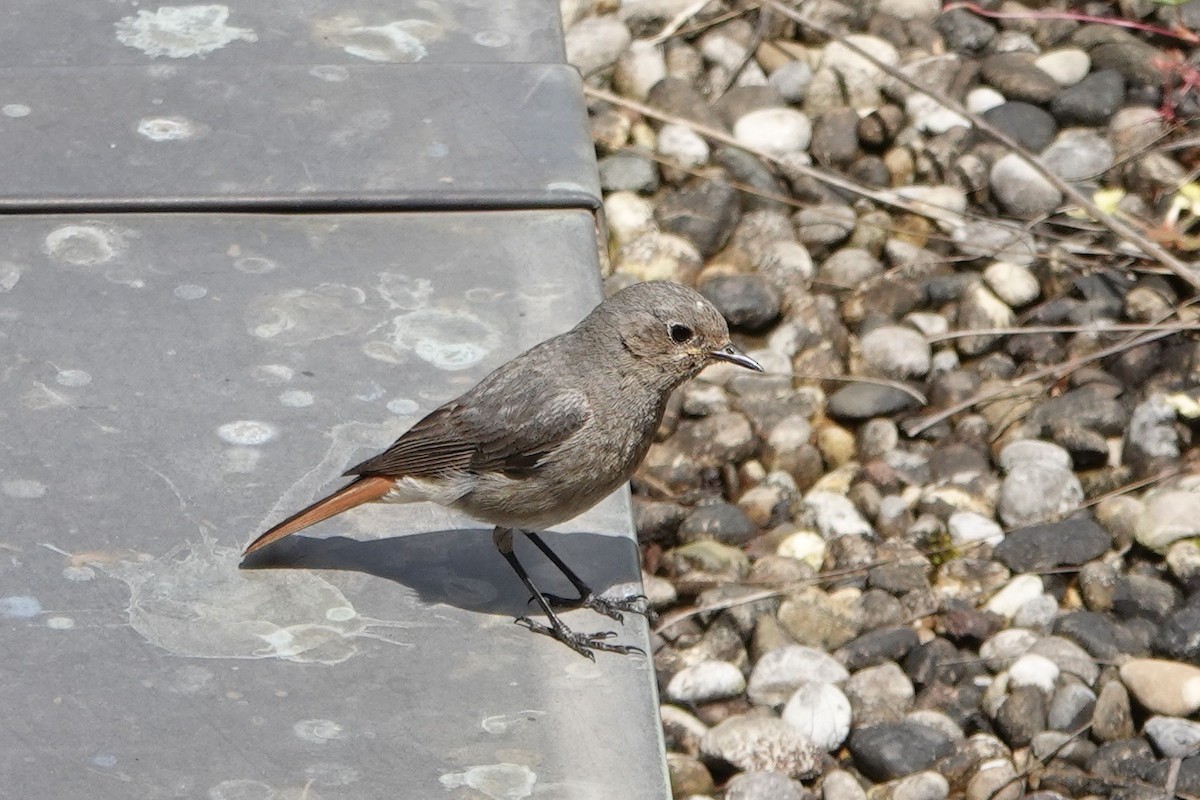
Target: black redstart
x=549, y=434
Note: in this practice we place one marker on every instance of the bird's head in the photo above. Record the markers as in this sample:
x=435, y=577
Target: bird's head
x=672, y=329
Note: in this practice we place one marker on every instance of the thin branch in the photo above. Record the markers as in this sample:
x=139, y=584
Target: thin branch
x=1115, y=327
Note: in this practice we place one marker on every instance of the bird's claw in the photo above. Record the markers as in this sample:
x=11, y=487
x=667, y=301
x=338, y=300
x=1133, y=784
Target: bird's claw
x=582, y=643
x=610, y=607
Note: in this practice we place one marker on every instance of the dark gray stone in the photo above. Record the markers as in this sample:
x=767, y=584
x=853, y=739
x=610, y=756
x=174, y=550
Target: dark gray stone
x=893, y=750
x=1028, y=124
x=716, y=519
x=748, y=302
x=1096, y=633
x=1016, y=77
x=1178, y=636
x=859, y=401
x=876, y=647
x=703, y=211
x=1143, y=596
x=1022, y=716
x=1070, y=542
x=964, y=31
x=1092, y=101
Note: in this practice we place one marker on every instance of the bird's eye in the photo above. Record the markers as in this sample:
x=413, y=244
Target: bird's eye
x=679, y=333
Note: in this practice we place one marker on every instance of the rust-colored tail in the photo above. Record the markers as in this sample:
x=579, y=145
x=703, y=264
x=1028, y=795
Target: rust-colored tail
x=363, y=490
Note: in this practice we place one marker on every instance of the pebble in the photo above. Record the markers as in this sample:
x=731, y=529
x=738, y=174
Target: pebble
x=894, y=750
x=1013, y=284
x=1021, y=189
x=1173, y=737
x=1166, y=518
x=836, y=515
x=996, y=779
x=1112, y=719
x=792, y=81
x=657, y=256
x=1067, y=66
x=968, y=527
x=879, y=694
x=922, y=786
x=638, y=68
x=1032, y=127
x=841, y=785
x=821, y=712
x=764, y=786
x=595, y=43
x=764, y=744
x=1069, y=543
x=705, y=682
x=849, y=267
x=1033, y=493
x=750, y=303
x=682, y=145
x=896, y=351
x=628, y=171
x=1079, y=155
x=774, y=131
x=1163, y=687
x=781, y=671
x=1015, y=593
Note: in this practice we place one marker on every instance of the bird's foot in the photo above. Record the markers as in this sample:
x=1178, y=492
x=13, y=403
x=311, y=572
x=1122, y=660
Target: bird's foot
x=582, y=643
x=610, y=607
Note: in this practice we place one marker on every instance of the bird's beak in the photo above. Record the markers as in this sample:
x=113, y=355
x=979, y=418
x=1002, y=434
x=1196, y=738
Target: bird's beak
x=734, y=356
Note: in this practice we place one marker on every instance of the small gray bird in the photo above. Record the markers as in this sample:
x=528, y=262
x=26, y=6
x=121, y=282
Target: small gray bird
x=548, y=435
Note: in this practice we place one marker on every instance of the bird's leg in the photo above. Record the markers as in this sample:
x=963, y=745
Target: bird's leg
x=608, y=606
x=582, y=643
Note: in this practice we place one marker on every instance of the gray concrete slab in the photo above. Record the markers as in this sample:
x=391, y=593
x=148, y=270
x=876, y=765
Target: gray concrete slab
x=330, y=136
x=262, y=32
x=172, y=384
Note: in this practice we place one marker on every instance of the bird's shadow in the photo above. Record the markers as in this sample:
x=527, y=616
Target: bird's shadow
x=462, y=567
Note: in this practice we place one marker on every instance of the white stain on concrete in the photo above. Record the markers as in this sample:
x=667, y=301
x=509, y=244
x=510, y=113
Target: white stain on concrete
x=398, y=42
x=318, y=731
x=254, y=265
x=23, y=488
x=60, y=623
x=241, y=789
x=189, y=291
x=503, y=723
x=84, y=245
x=301, y=316
x=404, y=292
x=448, y=339
x=495, y=781
x=403, y=406
x=10, y=273
x=274, y=373
x=171, y=129
x=20, y=606
x=15, y=110
x=333, y=73
x=201, y=605
x=72, y=377
x=247, y=432
x=492, y=39
x=296, y=398
x=181, y=31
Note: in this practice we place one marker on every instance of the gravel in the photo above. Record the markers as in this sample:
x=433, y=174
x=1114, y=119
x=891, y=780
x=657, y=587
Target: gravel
x=896, y=605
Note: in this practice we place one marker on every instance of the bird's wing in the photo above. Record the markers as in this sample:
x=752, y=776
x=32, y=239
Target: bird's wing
x=498, y=431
